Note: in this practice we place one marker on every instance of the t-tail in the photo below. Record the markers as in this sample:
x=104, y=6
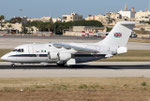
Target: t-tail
x=119, y=36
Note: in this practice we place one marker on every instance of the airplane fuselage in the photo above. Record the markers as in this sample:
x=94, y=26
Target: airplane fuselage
x=48, y=53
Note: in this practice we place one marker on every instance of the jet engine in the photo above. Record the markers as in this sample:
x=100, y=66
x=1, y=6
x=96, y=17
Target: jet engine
x=53, y=55
x=64, y=56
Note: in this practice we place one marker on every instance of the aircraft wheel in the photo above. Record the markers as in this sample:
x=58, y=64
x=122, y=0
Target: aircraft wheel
x=60, y=65
x=71, y=66
x=13, y=65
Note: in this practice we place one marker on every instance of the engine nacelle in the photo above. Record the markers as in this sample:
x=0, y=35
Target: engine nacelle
x=64, y=56
x=53, y=55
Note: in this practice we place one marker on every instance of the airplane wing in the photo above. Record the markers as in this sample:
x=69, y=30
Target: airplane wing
x=77, y=47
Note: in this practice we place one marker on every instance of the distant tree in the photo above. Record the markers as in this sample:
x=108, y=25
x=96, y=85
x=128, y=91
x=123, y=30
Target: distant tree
x=108, y=29
x=147, y=22
x=16, y=20
x=2, y=25
x=24, y=30
x=1, y=19
x=42, y=26
x=84, y=23
x=60, y=26
x=9, y=26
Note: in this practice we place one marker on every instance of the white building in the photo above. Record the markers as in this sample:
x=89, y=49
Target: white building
x=114, y=15
x=95, y=17
x=10, y=26
x=100, y=18
x=43, y=19
x=72, y=17
x=143, y=15
x=127, y=13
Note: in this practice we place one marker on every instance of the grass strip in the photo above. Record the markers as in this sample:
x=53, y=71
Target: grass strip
x=140, y=40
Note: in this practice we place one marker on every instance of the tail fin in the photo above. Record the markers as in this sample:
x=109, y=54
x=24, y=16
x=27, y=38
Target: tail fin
x=119, y=35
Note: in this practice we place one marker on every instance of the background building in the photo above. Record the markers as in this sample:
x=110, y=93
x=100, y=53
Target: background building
x=143, y=15
x=72, y=17
x=127, y=13
x=12, y=28
x=84, y=31
x=100, y=18
x=43, y=19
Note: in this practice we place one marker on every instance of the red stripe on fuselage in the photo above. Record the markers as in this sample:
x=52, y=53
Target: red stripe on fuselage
x=43, y=55
x=26, y=55
x=31, y=55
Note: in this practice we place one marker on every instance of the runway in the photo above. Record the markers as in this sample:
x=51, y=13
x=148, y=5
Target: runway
x=93, y=69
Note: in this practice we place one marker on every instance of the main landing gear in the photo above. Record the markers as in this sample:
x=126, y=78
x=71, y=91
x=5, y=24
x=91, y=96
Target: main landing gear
x=13, y=65
x=61, y=65
x=64, y=65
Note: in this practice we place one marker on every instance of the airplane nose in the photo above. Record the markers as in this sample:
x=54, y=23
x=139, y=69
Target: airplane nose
x=4, y=57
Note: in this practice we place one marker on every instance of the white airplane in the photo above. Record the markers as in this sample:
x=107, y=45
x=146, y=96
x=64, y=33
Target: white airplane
x=68, y=54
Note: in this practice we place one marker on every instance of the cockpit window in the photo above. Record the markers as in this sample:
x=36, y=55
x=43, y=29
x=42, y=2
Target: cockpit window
x=18, y=50
x=15, y=50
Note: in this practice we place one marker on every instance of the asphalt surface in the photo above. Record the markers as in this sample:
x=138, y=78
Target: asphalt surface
x=10, y=42
x=94, y=69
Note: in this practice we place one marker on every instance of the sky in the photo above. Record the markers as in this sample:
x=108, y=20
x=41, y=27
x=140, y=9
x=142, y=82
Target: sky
x=56, y=8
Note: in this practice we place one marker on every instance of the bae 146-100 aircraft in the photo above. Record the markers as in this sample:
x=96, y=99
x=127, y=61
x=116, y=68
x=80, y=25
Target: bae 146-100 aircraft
x=68, y=54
